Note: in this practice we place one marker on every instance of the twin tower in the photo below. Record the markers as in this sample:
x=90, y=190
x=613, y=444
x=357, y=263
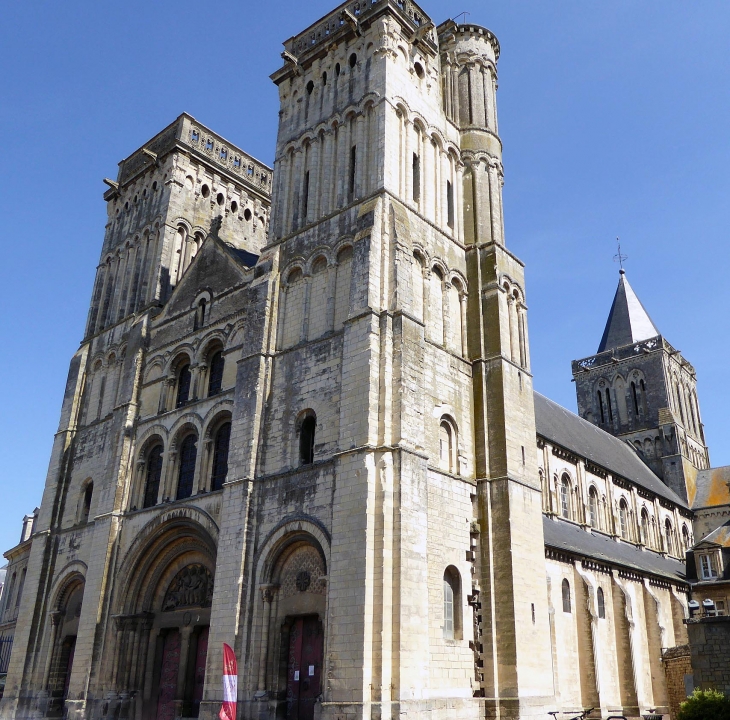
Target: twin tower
x=388, y=137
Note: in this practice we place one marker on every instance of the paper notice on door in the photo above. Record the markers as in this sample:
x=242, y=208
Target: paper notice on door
x=296, y=675
x=311, y=671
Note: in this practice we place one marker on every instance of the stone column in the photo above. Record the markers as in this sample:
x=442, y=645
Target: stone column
x=268, y=593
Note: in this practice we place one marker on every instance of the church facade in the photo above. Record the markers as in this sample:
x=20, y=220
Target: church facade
x=301, y=422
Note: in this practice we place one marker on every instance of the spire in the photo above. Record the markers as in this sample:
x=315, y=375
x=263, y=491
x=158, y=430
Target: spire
x=628, y=322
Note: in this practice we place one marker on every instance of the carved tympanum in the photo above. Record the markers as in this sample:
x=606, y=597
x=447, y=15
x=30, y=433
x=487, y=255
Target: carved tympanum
x=191, y=587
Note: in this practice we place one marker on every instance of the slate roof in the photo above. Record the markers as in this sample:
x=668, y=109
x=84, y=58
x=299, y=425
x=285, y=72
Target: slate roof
x=628, y=322
x=712, y=488
x=570, y=538
x=571, y=432
x=243, y=256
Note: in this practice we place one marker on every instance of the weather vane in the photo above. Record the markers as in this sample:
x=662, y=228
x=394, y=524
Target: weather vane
x=619, y=257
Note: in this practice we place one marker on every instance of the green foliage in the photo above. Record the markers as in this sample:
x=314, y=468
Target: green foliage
x=705, y=705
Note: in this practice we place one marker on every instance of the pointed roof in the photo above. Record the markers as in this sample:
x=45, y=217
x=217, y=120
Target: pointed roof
x=628, y=322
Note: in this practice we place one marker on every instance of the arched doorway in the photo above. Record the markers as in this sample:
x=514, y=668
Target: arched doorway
x=64, y=628
x=293, y=638
x=162, y=632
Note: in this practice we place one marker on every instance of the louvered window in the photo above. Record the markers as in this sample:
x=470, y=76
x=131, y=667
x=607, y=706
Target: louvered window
x=220, y=456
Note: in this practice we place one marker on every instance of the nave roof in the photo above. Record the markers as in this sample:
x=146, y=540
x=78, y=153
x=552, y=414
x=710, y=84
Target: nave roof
x=558, y=425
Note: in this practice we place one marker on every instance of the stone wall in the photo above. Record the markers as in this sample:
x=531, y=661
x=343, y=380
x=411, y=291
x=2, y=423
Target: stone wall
x=677, y=665
x=709, y=640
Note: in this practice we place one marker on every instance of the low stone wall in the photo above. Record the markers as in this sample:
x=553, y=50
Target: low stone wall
x=677, y=665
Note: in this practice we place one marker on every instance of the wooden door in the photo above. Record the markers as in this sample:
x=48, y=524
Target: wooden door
x=199, y=677
x=168, y=676
x=306, y=645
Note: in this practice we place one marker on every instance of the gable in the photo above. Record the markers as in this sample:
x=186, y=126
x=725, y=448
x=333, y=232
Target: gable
x=214, y=268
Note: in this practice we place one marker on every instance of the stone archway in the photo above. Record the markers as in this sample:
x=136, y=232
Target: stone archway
x=65, y=624
x=292, y=608
x=161, y=631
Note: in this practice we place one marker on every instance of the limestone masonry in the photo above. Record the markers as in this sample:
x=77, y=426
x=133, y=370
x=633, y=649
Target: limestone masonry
x=301, y=422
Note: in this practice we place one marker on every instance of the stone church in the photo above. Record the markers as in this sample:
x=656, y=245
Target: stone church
x=301, y=421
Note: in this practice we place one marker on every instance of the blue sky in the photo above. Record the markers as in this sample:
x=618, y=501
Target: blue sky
x=614, y=117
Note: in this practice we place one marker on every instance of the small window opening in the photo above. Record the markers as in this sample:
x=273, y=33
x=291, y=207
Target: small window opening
x=449, y=204
x=234, y=207
x=86, y=506
x=324, y=78
x=154, y=185
x=337, y=70
x=215, y=376
x=306, y=440
x=247, y=215
x=183, y=386
x=310, y=87
x=208, y=144
x=608, y=404
x=205, y=191
x=305, y=203
x=566, y=597
x=523, y=454
x=353, y=166
x=593, y=508
x=532, y=606
x=201, y=312
x=416, y=178
x=195, y=136
x=636, y=398
x=353, y=60
x=601, y=602
x=600, y=405
x=623, y=518
x=220, y=198
x=419, y=70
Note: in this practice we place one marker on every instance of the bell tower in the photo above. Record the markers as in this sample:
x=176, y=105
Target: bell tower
x=387, y=219
x=641, y=389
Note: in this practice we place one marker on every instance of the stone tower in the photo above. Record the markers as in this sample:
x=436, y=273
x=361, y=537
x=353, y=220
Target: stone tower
x=388, y=163
x=639, y=388
x=160, y=209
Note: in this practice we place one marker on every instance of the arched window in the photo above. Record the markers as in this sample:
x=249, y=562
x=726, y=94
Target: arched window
x=447, y=445
x=153, y=473
x=306, y=439
x=183, y=385
x=566, y=596
x=200, y=314
x=220, y=456
x=669, y=536
x=186, y=472
x=601, y=602
x=452, y=604
x=593, y=515
x=215, y=375
x=86, y=503
x=623, y=518
x=565, y=497
x=685, y=538
x=644, y=527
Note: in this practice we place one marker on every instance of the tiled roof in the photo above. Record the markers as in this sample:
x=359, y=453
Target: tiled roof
x=713, y=488
x=565, y=428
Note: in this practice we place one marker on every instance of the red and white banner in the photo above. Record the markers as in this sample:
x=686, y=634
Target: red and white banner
x=230, y=684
